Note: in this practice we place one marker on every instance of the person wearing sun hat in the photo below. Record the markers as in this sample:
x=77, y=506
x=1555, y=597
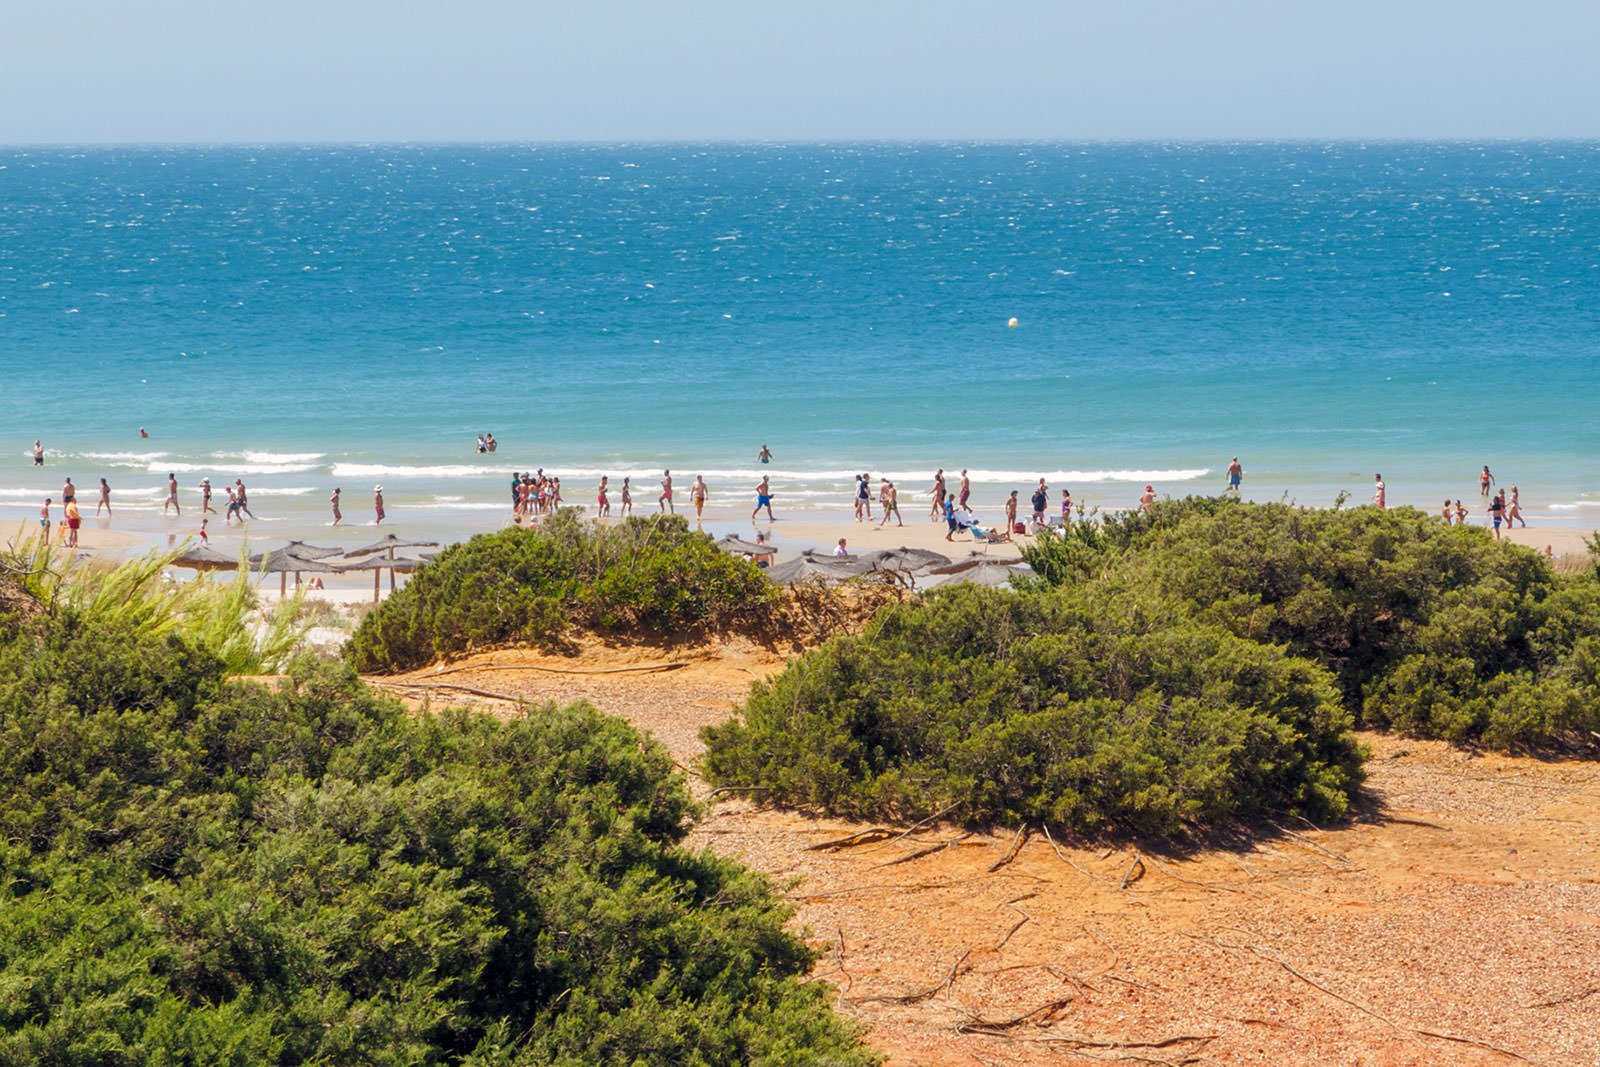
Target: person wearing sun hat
x=1148, y=498
x=377, y=504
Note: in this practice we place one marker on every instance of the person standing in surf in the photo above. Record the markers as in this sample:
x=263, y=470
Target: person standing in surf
x=764, y=456
x=1235, y=476
x=627, y=500
x=602, y=499
x=377, y=505
x=172, y=496
x=697, y=496
x=333, y=502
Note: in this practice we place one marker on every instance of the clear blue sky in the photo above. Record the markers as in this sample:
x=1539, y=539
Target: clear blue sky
x=80, y=71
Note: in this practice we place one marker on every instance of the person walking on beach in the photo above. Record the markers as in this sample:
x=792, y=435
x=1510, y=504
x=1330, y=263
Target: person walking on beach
x=243, y=496
x=1497, y=513
x=38, y=453
x=333, y=503
x=664, y=501
x=104, y=501
x=697, y=496
x=763, y=500
x=205, y=497
x=74, y=520
x=1011, y=513
x=965, y=493
x=863, y=496
x=765, y=455
x=1485, y=480
x=172, y=495
x=889, y=497
x=1040, y=502
x=1147, y=499
x=1380, y=492
x=601, y=499
x=232, y=510
x=377, y=505
x=44, y=517
x=627, y=500
x=1235, y=476
x=1066, y=508
x=69, y=493
x=937, y=492
x=1514, y=510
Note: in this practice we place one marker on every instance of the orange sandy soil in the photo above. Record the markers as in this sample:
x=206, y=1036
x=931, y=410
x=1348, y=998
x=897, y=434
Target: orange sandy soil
x=1455, y=920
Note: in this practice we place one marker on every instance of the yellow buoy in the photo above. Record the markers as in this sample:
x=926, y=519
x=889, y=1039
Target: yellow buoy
x=1012, y=323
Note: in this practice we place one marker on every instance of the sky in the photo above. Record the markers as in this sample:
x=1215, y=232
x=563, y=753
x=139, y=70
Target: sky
x=135, y=71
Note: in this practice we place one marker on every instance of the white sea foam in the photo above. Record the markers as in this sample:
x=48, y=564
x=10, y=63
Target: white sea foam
x=1574, y=505
x=125, y=459
x=272, y=457
x=225, y=468
x=952, y=477
x=388, y=470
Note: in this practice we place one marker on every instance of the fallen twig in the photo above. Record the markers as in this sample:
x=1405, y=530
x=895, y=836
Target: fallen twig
x=1414, y=822
x=1063, y=856
x=976, y=1024
x=1000, y=944
x=638, y=668
x=1582, y=994
x=1011, y=852
x=1275, y=957
x=510, y=698
x=925, y=994
x=1129, y=877
x=919, y=853
x=860, y=837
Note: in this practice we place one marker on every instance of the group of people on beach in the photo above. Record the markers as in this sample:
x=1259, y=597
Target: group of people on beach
x=1502, y=511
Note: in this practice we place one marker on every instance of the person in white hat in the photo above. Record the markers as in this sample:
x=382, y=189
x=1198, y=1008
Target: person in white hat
x=377, y=504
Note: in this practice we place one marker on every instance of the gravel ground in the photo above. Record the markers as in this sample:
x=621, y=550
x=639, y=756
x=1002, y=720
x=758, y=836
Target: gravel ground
x=1454, y=921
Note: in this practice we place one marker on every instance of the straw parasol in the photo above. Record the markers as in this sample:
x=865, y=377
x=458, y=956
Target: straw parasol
x=205, y=558
x=739, y=546
x=809, y=565
x=305, y=551
x=282, y=562
x=980, y=570
x=377, y=565
x=388, y=543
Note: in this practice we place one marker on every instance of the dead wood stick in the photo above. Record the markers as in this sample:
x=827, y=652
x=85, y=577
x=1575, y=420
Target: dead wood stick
x=1274, y=956
x=1129, y=877
x=1215, y=887
x=976, y=1023
x=860, y=837
x=919, y=825
x=510, y=698
x=919, y=853
x=1000, y=944
x=1306, y=841
x=1414, y=822
x=924, y=994
x=639, y=668
x=1011, y=852
x=1582, y=994
x=1062, y=856
x=739, y=789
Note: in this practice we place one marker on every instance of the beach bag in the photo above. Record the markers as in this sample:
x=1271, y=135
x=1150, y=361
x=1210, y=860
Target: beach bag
x=1018, y=527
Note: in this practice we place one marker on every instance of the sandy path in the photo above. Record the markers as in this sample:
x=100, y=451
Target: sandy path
x=1382, y=941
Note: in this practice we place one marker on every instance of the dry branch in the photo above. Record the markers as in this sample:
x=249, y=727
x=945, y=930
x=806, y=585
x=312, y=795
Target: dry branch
x=1011, y=852
x=1129, y=877
x=860, y=837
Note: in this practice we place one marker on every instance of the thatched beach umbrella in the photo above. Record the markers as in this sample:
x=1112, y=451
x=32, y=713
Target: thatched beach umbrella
x=740, y=547
x=305, y=551
x=377, y=565
x=388, y=543
x=283, y=563
x=809, y=565
x=980, y=570
x=205, y=558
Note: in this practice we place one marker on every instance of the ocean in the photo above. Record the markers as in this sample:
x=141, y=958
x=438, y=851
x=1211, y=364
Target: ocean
x=305, y=317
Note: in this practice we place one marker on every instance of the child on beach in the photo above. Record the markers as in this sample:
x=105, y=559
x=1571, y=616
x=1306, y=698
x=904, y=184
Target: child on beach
x=205, y=538
x=44, y=516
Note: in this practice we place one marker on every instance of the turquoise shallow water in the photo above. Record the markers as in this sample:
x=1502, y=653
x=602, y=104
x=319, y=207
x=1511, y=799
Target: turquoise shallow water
x=312, y=316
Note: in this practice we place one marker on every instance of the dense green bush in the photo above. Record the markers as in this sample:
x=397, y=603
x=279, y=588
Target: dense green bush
x=209, y=872
x=537, y=586
x=1085, y=714
x=1435, y=630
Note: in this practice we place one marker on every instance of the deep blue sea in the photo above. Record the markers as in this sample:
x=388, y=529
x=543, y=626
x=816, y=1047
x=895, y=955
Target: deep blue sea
x=312, y=316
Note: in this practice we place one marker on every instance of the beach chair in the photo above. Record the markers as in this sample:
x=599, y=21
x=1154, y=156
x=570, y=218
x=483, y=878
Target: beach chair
x=989, y=535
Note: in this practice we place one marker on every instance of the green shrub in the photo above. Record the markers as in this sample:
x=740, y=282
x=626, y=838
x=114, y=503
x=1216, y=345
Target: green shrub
x=1434, y=630
x=1003, y=708
x=194, y=870
x=535, y=587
